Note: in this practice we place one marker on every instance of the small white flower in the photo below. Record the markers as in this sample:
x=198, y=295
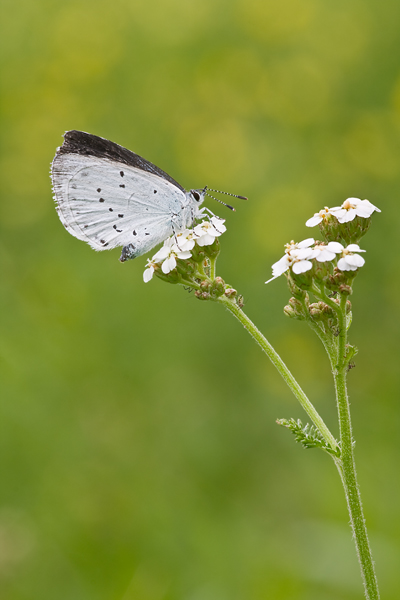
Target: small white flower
x=296, y=256
x=351, y=208
x=207, y=231
x=300, y=266
x=184, y=240
x=167, y=255
x=325, y=252
x=218, y=224
x=318, y=217
x=349, y=260
x=301, y=250
x=149, y=270
x=169, y=264
x=164, y=251
x=280, y=267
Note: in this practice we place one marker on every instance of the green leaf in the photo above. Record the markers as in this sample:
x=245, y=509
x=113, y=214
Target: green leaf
x=308, y=436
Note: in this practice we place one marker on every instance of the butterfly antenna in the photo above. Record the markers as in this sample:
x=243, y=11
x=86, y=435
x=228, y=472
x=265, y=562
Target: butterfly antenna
x=220, y=201
x=227, y=193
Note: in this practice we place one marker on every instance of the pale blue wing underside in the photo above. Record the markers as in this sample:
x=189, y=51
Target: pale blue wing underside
x=109, y=204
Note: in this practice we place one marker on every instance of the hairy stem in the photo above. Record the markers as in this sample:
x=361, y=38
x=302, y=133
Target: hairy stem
x=347, y=468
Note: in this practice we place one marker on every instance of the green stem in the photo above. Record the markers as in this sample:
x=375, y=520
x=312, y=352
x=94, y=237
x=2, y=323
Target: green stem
x=201, y=272
x=348, y=468
x=282, y=368
x=213, y=264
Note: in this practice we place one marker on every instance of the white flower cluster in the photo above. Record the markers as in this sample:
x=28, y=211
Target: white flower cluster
x=298, y=257
x=180, y=245
x=351, y=208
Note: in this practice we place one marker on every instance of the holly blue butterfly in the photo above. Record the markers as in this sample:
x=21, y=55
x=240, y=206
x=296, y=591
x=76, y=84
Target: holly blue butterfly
x=109, y=196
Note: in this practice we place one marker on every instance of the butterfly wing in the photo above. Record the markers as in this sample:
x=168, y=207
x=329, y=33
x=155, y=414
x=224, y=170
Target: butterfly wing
x=108, y=196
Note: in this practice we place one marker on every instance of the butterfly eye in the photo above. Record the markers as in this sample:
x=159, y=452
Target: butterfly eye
x=196, y=195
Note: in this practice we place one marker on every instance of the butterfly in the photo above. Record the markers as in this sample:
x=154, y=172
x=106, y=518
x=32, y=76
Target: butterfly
x=109, y=196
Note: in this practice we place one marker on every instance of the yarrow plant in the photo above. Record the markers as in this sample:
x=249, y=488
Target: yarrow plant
x=320, y=275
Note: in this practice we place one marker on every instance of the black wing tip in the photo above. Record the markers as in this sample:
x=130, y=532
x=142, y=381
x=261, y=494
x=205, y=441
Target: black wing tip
x=80, y=142
x=87, y=144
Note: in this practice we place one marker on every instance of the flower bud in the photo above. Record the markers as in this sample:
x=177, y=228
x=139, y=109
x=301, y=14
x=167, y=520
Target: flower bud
x=339, y=278
x=294, y=309
x=289, y=312
x=315, y=311
x=217, y=287
x=202, y=295
x=230, y=292
x=346, y=290
x=327, y=309
x=296, y=304
x=205, y=286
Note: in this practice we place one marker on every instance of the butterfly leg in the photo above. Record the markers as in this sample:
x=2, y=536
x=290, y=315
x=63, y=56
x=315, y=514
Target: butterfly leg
x=205, y=208
x=174, y=232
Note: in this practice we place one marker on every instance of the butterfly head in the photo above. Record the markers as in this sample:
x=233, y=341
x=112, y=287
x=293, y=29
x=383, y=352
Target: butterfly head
x=198, y=196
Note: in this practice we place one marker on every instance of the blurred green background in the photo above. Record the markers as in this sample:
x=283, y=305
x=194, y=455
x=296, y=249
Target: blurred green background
x=140, y=459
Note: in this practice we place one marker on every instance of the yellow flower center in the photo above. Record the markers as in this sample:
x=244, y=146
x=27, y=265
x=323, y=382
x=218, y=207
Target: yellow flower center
x=347, y=205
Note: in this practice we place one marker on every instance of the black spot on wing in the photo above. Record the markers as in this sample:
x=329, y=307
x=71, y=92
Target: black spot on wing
x=86, y=144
